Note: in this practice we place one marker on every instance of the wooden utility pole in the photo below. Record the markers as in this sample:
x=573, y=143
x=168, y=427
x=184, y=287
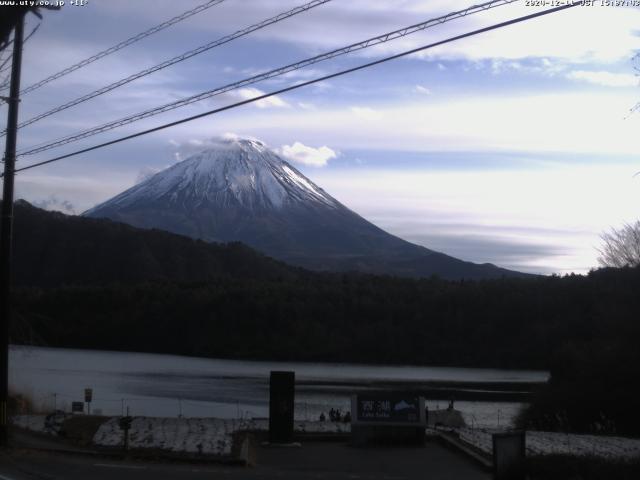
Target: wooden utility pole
x=7, y=225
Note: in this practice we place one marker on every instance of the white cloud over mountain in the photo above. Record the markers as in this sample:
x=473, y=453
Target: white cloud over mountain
x=306, y=155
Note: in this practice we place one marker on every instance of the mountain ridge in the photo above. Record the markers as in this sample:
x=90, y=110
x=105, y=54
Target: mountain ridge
x=53, y=249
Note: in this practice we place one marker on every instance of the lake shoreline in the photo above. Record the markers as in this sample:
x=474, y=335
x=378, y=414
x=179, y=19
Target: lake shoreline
x=166, y=385
x=257, y=359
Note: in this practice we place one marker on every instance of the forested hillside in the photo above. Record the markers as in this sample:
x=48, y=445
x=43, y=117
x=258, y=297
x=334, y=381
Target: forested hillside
x=103, y=285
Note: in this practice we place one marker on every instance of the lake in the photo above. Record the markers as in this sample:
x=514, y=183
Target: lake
x=169, y=385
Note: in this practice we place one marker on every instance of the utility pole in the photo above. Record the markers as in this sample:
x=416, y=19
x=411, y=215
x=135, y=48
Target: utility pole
x=6, y=227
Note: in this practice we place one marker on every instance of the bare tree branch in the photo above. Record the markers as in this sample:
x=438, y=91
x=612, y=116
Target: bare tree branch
x=621, y=247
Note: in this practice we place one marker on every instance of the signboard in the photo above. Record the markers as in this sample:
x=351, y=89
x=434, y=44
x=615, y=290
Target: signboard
x=88, y=394
x=125, y=422
x=389, y=408
x=281, y=406
x=509, y=452
x=77, y=407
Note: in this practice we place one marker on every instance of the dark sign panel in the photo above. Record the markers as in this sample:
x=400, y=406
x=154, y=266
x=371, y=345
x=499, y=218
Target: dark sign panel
x=125, y=422
x=509, y=453
x=77, y=407
x=88, y=394
x=388, y=408
x=281, y=406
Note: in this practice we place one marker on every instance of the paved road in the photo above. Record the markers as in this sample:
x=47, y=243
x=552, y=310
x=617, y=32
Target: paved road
x=313, y=461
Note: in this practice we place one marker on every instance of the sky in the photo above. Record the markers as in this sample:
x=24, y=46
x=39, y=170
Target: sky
x=515, y=147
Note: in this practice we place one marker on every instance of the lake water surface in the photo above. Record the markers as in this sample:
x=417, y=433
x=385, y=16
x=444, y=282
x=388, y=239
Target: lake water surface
x=168, y=385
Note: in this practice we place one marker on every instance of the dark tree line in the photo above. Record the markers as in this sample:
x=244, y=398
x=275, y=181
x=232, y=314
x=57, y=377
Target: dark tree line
x=514, y=323
x=585, y=329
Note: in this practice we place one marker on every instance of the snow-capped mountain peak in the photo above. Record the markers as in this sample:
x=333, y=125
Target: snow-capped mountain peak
x=240, y=190
x=241, y=172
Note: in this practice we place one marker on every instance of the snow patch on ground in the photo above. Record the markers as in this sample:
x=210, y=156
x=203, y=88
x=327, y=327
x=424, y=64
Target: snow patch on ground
x=34, y=423
x=214, y=436
x=553, y=443
x=321, y=427
x=208, y=436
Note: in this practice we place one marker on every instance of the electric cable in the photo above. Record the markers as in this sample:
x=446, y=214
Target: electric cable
x=174, y=60
x=123, y=44
x=264, y=76
x=304, y=84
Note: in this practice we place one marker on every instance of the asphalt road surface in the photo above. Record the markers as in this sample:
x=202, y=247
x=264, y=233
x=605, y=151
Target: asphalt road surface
x=314, y=460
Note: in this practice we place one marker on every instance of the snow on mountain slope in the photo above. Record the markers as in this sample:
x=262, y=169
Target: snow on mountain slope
x=242, y=191
x=244, y=172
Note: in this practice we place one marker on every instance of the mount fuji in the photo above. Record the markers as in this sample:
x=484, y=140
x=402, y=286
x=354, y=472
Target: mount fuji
x=242, y=191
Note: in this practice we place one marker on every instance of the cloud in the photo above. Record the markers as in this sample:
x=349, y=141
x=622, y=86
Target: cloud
x=190, y=146
x=421, y=89
x=557, y=122
x=307, y=106
x=568, y=34
x=56, y=204
x=72, y=191
x=269, y=102
x=300, y=153
x=550, y=216
x=490, y=247
x=366, y=113
x=606, y=79
x=296, y=152
x=564, y=35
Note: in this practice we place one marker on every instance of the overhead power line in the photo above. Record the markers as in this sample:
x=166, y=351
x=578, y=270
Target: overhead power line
x=4, y=46
x=4, y=82
x=266, y=75
x=303, y=84
x=5, y=65
x=177, y=59
x=121, y=45
x=32, y=33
